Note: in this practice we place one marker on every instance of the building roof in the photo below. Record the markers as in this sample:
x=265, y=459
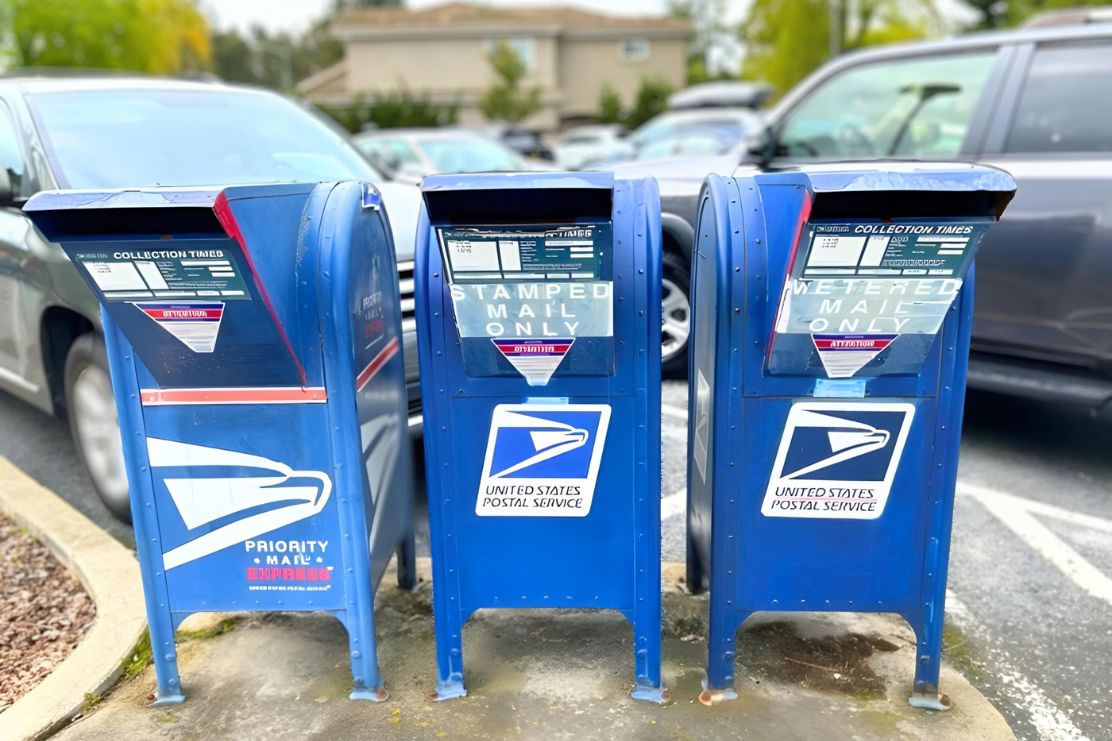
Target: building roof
x=464, y=14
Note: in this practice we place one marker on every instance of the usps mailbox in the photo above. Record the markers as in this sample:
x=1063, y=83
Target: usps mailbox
x=253, y=341
x=538, y=316
x=832, y=315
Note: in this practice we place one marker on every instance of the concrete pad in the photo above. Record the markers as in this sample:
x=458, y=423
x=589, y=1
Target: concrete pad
x=545, y=674
x=109, y=573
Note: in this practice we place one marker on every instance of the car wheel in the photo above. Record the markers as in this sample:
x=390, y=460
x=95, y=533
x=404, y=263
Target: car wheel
x=675, y=316
x=91, y=409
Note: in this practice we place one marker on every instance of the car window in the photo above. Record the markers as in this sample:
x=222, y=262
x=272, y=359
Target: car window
x=906, y=108
x=405, y=153
x=135, y=138
x=469, y=154
x=11, y=154
x=1066, y=104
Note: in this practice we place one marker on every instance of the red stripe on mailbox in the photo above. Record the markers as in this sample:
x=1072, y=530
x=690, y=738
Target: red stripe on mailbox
x=276, y=395
x=376, y=364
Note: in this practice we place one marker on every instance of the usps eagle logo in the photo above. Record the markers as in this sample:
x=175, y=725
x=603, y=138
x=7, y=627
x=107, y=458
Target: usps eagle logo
x=837, y=459
x=229, y=497
x=542, y=459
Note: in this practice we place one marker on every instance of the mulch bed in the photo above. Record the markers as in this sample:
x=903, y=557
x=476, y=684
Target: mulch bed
x=44, y=612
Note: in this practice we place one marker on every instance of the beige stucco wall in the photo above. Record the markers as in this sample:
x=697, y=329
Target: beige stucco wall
x=588, y=64
x=570, y=69
x=443, y=65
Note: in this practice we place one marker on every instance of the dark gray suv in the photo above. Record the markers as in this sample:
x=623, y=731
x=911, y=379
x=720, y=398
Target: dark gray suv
x=1037, y=103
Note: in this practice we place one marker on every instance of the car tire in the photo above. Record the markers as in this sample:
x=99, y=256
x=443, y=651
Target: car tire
x=675, y=316
x=91, y=409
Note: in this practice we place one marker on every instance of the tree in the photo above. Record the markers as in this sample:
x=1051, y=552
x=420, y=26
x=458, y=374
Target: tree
x=610, y=105
x=651, y=100
x=151, y=36
x=709, y=31
x=505, y=100
x=786, y=41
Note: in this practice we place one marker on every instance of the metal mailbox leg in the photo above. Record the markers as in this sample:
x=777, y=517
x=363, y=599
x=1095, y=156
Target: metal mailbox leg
x=161, y=623
x=407, y=562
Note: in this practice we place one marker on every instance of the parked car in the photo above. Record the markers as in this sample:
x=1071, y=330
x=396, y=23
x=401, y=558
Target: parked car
x=692, y=141
x=724, y=94
x=1036, y=102
x=581, y=145
x=411, y=154
x=525, y=142
x=103, y=133
x=668, y=124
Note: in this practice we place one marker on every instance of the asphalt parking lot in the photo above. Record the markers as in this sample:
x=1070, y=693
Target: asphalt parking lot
x=1031, y=564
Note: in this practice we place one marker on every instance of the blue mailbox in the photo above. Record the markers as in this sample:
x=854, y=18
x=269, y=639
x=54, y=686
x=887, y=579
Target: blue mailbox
x=538, y=316
x=832, y=314
x=253, y=342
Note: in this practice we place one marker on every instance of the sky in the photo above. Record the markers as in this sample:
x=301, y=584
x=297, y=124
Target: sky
x=295, y=15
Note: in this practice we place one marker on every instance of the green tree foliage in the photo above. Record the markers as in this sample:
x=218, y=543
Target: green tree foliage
x=708, y=30
x=280, y=60
x=651, y=100
x=392, y=110
x=506, y=100
x=610, y=105
x=786, y=41
x=151, y=36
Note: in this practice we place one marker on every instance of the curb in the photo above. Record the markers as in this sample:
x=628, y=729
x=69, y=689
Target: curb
x=109, y=573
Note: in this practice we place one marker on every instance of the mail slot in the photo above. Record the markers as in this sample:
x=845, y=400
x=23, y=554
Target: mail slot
x=538, y=316
x=253, y=338
x=832, y=315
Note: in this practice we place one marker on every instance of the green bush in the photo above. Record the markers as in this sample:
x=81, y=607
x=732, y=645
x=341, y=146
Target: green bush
x=652, y=99
x=398, y=109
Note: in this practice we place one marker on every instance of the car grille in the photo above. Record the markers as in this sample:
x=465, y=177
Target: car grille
x=405, y=286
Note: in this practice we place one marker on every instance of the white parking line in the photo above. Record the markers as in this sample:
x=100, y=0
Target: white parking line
x=1050, y=722
x=1016, y=514
x=674, y=412
x=673, y=505
x=673, y=433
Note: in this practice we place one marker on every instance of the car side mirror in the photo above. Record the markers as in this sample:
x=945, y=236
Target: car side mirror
x=7, y=191
x=761, y=147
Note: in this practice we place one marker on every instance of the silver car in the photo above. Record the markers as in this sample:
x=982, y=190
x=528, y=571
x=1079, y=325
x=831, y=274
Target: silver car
x=120, y=132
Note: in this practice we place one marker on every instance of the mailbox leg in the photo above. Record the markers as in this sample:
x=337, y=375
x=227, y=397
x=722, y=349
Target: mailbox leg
x=364, y=657
x=696, y=573
x=407, y=562
x=928, y=664
x=165, y=657
x=448, y=623
x=646, y=660
x=721, y=652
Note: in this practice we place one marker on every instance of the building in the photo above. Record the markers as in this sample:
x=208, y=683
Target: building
x=441, y=53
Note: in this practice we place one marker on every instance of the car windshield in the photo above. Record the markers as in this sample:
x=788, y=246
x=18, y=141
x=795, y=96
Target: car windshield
x=468, y=154
x=136, y=138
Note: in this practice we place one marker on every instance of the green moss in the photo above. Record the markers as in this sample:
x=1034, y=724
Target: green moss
x=957, y=651
x=224, y=626
x=138, y=657
x=90, y=702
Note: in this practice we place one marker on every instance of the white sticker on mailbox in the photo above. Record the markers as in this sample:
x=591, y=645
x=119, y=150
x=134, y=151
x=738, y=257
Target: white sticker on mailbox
x=542, y=460
x=837, y=459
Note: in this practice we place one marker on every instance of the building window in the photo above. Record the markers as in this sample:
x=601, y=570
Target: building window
x=523, y=46
x=635, y=50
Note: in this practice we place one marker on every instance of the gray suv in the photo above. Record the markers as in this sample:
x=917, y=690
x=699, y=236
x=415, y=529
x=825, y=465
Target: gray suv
x=104, y=133
x=1037, y=103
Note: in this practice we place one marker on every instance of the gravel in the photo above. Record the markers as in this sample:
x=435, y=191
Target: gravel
x=44, y=612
